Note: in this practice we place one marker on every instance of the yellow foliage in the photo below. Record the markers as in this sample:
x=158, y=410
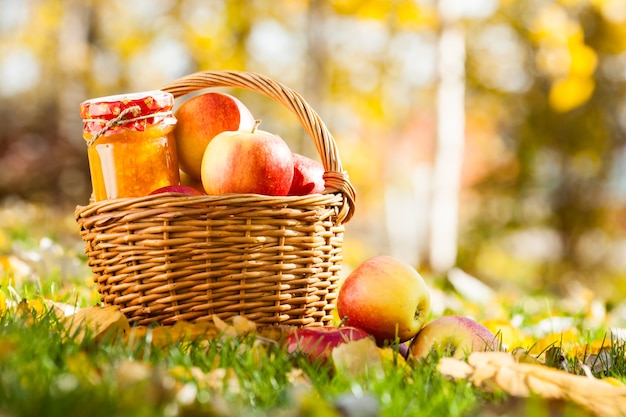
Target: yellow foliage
x=612, y=10
x=553, y=26
x=410, y=15
x=570, y=92
x=360, y=8
x=509, y=335
x=565, y=340
x=583, y=60
x=3, y=303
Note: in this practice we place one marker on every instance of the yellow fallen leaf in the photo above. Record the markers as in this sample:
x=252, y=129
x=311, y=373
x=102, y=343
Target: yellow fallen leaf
x=565, y=340
x=356, y=358
x=29, y=310
x=145, y=382
x=508, y=334
x=240, y=326
x=84, y=368
x=163, y=336
x=392, y=357
x=500, y=370
x=97, y=322
x=522, y=355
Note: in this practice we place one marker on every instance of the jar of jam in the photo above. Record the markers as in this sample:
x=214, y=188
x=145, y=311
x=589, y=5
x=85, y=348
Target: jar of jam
x=130, y=149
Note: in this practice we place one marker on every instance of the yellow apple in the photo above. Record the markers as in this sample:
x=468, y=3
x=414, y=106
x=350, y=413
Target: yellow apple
x=385, y=297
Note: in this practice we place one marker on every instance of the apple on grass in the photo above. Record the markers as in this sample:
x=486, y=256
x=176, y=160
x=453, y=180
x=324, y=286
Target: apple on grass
x=202, y=117
x=247, y=162
x=317, y=343
x=452, y=336
x=385, y=297
x=308, y=176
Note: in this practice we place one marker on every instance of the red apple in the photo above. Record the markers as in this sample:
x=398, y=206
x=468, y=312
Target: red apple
x=186, y=179
x=247, y=162
x=385, y=297
x=455, y=336
x=202, y=117
x=181, y=189
x=317, y=343
x=307, y=176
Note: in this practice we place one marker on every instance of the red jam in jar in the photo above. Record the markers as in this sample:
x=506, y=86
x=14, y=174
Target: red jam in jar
x=131, y=152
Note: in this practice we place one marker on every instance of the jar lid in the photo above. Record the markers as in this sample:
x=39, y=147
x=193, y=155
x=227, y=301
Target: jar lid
x=135, y=111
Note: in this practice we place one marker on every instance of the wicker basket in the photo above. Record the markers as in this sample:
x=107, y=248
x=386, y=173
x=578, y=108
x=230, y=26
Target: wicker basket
x=275, y=260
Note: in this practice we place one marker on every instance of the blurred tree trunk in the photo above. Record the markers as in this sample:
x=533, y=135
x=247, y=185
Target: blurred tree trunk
x=315, y=74
x=73, y=68
x=450, y=141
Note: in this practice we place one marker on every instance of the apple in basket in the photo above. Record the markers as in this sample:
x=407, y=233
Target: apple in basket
x=180, y=189
x=247, y=162
x=452, y=335
x=317, y=343
x=202, y=117
x=308, y=176
x=385, y=297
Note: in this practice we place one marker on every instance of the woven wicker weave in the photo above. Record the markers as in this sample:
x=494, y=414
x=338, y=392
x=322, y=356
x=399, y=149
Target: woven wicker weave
x=275, y=260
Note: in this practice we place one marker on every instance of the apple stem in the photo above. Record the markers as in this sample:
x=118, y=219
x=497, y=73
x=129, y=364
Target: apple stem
x=343, y=321
x=257, y=122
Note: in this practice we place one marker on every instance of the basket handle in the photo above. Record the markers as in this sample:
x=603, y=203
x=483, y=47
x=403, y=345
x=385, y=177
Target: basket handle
x=336, y=180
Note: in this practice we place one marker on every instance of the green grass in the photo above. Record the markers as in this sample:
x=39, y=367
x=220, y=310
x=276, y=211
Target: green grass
x=45, y=371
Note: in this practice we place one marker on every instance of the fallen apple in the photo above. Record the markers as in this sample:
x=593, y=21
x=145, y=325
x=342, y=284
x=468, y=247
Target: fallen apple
x=202, y=117
x=452, y=336
x=308, y=176
x=385, y=297
x=317, y=343
x=247, y=162
x=180, y=189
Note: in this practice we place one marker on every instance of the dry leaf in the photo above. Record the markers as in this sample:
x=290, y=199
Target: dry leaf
x=219, y=380
x=142, y=381
x=243, y=326
x=97, y=322
x=240, y=326
x=164, y=336
x=500, y=370
x=455, y=368
x=555, y=358
x=600, y=363
x=522, y=355
x=357, y=357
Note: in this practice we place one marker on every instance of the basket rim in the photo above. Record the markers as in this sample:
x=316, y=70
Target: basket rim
x=335, y=177
x=172, y=200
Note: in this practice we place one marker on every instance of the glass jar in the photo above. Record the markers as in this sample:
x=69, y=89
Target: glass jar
x=130, y=149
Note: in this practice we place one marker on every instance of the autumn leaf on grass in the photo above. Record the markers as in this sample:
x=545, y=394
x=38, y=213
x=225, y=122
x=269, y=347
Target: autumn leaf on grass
x=164, y=336
x=239, y=326
x=31, y=310
x=499, y=370
x=142, y=381
x=362, y=356
x=357, y=357
x=97, y=322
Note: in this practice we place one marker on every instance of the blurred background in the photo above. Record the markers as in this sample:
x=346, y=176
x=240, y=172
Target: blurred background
x=483, y=137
